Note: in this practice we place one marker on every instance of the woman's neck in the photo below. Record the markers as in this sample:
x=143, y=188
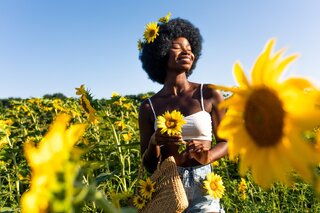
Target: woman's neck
x=176, y=85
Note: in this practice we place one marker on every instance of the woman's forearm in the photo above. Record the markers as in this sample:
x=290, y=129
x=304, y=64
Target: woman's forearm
x=220, y=150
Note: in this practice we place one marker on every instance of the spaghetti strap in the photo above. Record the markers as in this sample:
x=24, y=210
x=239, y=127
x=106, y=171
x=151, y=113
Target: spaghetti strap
x=154, y=113
x=201, y=95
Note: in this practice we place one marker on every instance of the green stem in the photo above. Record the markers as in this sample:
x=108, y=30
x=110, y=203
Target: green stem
x=121, y=157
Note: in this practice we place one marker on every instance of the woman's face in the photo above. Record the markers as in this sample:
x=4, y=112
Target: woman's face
x=180, y=55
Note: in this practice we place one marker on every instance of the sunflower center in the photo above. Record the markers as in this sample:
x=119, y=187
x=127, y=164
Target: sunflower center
x=213, y=186
x=148, y=188
x=171, y=123
x=264, y=117
x=152, y=33
x=140, y=201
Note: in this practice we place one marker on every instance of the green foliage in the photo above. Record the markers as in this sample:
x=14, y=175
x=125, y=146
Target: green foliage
x=54, y=96
x=112, y=158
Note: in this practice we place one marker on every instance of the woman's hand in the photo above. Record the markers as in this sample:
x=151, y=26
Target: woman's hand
x=164, y=139
x=200, y=151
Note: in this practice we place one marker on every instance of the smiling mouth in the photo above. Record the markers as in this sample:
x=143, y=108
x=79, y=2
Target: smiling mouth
x=184, y=58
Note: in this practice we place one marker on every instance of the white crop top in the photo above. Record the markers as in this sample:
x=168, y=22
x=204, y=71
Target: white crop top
x=198, y=126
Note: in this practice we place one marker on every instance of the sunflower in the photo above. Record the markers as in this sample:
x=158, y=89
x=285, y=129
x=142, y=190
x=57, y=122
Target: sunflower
x=86, y=105
x=215, y=163
x=49, y=161
x=81, y=90
x=214, y=185
x=127, y=136
x=242, y=187
x=266, y=119
x=146, y=188
x=165, y=19
x=139, y=202
x=140, y=45
x=117, y=197
x=115, y=94
x=171, y=122
x=85, y=98
x=120, y=125
x=151, y=32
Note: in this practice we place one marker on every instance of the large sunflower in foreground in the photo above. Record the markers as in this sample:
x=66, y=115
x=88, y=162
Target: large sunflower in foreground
x=171, y=122
x=266, y=118
x=54, y=164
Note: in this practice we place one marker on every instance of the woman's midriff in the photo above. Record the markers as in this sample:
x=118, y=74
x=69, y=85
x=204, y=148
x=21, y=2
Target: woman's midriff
x=184, y=159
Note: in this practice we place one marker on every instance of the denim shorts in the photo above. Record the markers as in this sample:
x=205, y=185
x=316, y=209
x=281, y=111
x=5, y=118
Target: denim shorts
x=192, y=179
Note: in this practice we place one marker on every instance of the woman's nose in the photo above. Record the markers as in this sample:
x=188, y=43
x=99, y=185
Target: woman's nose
x=185, y=49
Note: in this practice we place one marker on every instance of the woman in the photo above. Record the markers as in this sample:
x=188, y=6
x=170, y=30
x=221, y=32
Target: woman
x=169, y=60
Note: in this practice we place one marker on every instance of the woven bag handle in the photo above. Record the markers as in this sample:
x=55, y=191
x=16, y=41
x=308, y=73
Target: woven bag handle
x=142, y=168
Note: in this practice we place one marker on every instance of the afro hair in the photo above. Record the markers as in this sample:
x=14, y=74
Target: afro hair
x=154, y=56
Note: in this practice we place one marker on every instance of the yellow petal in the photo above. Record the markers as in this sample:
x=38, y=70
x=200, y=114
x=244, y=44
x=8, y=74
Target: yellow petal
x=271, y=69
x=236, y=101
x=276, y=72
x=225, y=88
x=74, y=133
x=239, y=76
x=259, y=166
x=297, y=83
x=259, y=67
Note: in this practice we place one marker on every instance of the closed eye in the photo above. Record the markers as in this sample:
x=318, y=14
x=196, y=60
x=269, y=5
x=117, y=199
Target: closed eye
x=179, y=46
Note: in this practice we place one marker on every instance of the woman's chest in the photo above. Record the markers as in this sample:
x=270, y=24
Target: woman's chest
x=186, y=105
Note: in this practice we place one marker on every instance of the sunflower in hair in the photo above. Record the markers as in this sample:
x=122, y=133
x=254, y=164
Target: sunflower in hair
x=151, y=32
x=165, y=19
x=140, y=45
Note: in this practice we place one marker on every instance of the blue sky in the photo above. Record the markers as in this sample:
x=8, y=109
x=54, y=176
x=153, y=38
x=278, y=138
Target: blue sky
x=56, y=45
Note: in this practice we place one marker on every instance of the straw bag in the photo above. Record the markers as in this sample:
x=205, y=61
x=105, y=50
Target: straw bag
x=169, y=195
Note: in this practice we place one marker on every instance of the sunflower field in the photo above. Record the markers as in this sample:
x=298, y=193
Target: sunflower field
x=83, y=155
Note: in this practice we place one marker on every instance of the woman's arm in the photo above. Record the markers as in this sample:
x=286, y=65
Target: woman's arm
x=149, y=150
x=199, y=150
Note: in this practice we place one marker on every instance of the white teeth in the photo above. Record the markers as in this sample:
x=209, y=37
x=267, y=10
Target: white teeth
x=184, y=59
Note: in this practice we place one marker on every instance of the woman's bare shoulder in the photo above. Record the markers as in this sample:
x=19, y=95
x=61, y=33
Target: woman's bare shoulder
x=145, y=106
x=211, y=93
